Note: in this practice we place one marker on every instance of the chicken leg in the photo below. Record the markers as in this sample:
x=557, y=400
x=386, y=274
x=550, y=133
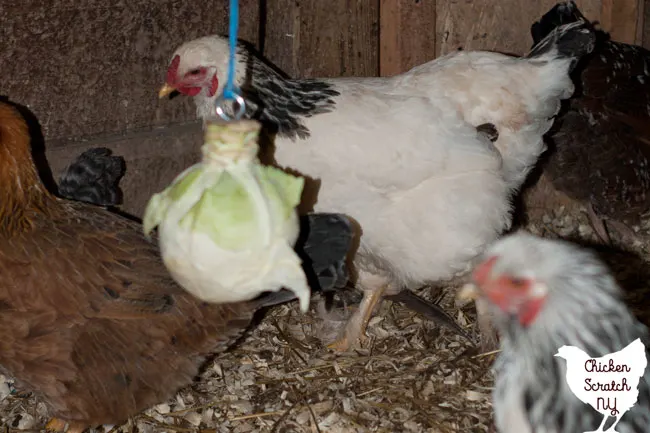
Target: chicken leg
x=57, y=425
x=355, y=329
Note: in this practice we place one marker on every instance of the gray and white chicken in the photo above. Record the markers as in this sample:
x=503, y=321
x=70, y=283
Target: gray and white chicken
x=404, y=156
x=545, y=294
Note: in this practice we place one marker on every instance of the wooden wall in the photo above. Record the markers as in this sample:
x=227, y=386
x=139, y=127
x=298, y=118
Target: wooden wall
x=312, y=38
x=90, y=71
x=93, y=68
x=408, y=37
x=318, y=38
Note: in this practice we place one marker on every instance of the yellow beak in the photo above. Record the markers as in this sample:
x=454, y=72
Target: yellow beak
x=165, y=90
x=468, y=292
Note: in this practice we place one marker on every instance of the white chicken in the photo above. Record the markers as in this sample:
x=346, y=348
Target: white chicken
x=546, y=295
x=402, y=155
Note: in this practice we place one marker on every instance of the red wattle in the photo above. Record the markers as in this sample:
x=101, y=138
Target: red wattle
x=189, y=91
x=530, y=310
x=214, y=85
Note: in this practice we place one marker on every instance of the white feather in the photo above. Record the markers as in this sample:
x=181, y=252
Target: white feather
x=402, y=156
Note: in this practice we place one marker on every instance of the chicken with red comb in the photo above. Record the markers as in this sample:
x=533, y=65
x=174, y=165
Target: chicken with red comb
x=544, y=294
x=409, y=157
x=190, y=82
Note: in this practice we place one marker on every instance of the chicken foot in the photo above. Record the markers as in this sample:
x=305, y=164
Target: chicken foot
x=57, y=425
x=355, y=329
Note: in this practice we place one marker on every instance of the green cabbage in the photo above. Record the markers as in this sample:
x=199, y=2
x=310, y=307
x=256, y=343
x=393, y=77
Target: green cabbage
x=229, y=207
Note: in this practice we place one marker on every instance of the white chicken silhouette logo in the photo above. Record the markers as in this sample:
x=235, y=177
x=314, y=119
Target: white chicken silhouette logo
x=609, y=383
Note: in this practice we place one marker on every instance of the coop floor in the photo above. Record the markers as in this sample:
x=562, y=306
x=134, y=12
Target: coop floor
x=413, y=377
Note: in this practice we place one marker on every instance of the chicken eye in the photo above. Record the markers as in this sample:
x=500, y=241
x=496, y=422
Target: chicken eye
x=195, y=71
x=518, y=283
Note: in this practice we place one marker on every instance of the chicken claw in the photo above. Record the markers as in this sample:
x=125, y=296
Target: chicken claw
x=57, y=425
x=355, y=329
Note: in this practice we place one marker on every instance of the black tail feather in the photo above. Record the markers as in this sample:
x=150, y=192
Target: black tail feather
x=324, y=242
x=429, y=310
x=270, y=299
x=562, y=13
x=323, y=245
x=93, y=178
x=569, y=41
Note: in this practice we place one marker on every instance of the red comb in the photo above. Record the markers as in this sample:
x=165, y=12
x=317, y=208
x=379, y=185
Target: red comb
x=173, y=69
x=482, y=271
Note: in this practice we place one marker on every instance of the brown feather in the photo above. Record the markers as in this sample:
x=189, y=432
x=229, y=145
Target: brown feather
x=91, y=321
x=22, y=193
x=602, y=144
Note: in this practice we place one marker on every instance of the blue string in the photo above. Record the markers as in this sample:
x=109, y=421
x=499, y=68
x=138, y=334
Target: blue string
x=229, y=91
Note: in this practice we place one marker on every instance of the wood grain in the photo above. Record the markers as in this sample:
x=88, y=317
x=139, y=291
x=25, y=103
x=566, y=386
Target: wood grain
x=315, y=38
x=407, y=34
x=338, y=38
x=500, y=26
x=641, y=23
x=282, y=34
x=621, y=19
x=646, y=24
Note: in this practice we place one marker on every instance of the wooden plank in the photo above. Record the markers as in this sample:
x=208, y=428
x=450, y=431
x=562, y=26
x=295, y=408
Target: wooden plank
x=407, y=35
x=390, y=23
x=281, y=33
x=621, y=19
x=499, y=26
x=338, y=38
x=640, y=24
x=248, y=20
x=646, y=24
x=315, y=38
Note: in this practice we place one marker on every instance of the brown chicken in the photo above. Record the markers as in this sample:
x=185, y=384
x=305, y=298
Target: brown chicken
x=90, y=320
x=600, y=153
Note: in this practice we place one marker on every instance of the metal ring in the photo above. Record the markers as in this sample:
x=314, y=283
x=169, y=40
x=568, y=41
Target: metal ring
x=237, y=102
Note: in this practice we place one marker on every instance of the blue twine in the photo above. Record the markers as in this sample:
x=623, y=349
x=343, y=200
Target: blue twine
x=229, y=91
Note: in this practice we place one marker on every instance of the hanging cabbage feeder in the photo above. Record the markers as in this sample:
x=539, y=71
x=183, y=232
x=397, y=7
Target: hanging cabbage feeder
x=227, y=225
